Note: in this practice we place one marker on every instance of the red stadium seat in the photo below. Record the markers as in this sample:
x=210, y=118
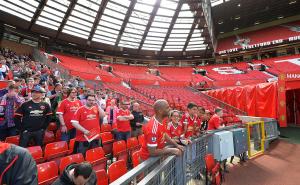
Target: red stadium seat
x=52, y=126
x=13, y=140
x=102, y=177
x=96, y=157
x=49, y=137
x=107, y=142
x=105, y=128
x=116, y=170
x=132, y=145
x=47, y=173
x=71, y=146
x=56, y=150
x=37, y=153
x=135, y=158
x=141, y=139
x=65, y=161
x=119, y=150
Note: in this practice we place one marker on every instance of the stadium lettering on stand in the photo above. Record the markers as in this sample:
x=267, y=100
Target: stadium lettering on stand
x=293, y=76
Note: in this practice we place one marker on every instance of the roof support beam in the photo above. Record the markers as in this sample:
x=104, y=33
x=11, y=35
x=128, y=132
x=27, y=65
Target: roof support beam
x=37, y=13
x=127, y=16
x=151, y=19
x=66, y=17
x=174, y=18
x=97, y=19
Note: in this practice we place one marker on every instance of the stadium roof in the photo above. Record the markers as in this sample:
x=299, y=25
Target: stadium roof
x=156, y=26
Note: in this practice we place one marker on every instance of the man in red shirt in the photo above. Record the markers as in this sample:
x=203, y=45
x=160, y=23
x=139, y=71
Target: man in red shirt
x=66, y=110
x=215, y=121
x=190, y=120
x=155, y=134
x=123, y=122
x=86, y=122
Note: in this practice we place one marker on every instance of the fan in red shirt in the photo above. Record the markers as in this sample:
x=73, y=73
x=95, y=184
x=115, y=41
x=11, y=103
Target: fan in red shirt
x=26, y=92
x=189, y=120
x=123, y=122
x=155, y=134
x=215, y=121
x=66, y=110
x=86, y=121
x=174, y=127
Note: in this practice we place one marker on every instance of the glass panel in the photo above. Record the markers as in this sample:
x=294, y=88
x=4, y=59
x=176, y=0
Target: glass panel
x=186, y=20
x=55, y=12
x=176, y=40
x=138, y=20
x=57, y=6
x=129, y=46
x=103, y=41
x=26, y=6
x=101, y=37
x=168, y=4
x=112, y=20
x=114, y=14
x=115, y=7
x=149, y=48
x=152, y=46
x=162, y=19
x=180, y=31
x=123, y=2
x=110, y=25
x=132, y=35
x=153, y=42
x=130, y=30
x=140, y=15
x=195, y=49
x=178, y=35
x=197, y=46
x=143, y=7
x=166, y=12
x=136, y=26
x=14, y=13
x=173, y=49
x=155, y=34
x=85, y=10
x=196, y=35
x=129, y=43
x=150, y=2
x=75, y=19
x=90, y=4
x=76, y=25
x=82, y=16
x=49, y=21
x=46, y=25
x=108, y=30
x=175, y=43
x=197, y=39
x=76, y=30
x=185, y=7
x=45, y=14
x=161, y=30
x=33, y=3
x=130, y=39
x=185, y=14
x=156, y=38
x=216, y=2
x=186, y=26
x=107, y=34
x=75, y=34
x=17, y=10
x=160, y=24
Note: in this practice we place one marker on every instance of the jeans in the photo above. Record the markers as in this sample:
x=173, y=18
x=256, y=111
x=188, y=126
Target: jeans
x=6, y=132
x=123, y=136
x=83, y=146
x=67, y=136
x=37, y=136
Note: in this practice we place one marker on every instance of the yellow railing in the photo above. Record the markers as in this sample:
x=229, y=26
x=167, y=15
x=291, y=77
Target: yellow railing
x=256, y=138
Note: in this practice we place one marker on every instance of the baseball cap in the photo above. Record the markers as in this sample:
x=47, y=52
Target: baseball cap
x=38, y=88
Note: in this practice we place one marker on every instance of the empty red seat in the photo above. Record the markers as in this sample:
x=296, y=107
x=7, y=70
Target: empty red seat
x=116, y=170
x=49, y=137
x=135, y=158
x=13, y=140
x=65, y=161
x=56, y=150
x=47, y=173
x=105, y=128
x=37, y=153
x=102, y=177
x=96, y=157
x=71, y=146
x=119, y=150
x=132, y=145
x=107, y=142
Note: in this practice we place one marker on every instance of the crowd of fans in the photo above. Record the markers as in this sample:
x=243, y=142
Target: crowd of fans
x=36, y=95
